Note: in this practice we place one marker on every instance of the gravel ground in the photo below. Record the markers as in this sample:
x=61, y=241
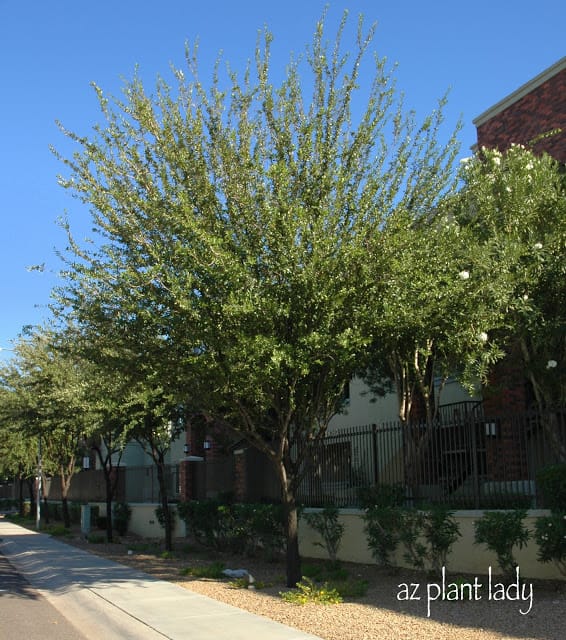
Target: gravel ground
x=380, y=614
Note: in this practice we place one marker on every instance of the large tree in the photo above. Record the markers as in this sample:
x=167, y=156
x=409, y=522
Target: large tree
x=238, y=225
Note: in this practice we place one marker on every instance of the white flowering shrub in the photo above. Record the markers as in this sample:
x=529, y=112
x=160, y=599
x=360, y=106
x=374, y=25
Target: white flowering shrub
x=550, y=535
x=513, y=205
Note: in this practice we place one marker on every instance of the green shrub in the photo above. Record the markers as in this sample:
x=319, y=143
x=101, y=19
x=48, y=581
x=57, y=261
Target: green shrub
x=202, y=520
x=314, y=571
x=441, y=530
x=267, y=527
x=383, y=531
x=550, y=535
x=57, y=530
x=8, y=504
x=427, y=535
x=96, y=538
x=244, y=583
x=381, y=495
x=326, y=524
x=121, y=514
x=307, y=592
x=501, y=532
x=247, y=528
x=160, y=515
x=349, y=588
x=145, y=547
x=75, y=512
x=213, y=571
x=551, y=482
x=329, y=571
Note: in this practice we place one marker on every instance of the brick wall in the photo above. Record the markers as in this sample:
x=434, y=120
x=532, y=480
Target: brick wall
x=522, y=119
x=539, y=111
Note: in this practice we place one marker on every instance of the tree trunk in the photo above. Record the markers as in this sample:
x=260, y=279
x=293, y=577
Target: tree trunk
x=292, y=534
x=21, y=497
x=31, y=489
x=45, y=512
x=66, y=514
x=109, y=496
x=165, y=506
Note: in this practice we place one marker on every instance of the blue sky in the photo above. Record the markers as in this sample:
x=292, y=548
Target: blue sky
x=50, y=52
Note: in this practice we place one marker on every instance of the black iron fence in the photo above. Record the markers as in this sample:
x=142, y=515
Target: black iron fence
x=463, y=459
x=134, y=484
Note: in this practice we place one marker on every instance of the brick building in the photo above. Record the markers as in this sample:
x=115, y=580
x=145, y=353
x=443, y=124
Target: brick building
x=528, y=114
x=533, y=115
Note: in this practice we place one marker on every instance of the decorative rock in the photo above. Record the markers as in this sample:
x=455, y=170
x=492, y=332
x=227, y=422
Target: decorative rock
x=239, y=573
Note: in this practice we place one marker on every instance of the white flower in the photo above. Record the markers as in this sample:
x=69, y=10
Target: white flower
x=551, y=364
x=525, y=296
x=465, y=160
x=529, y=166
x=482, y=336
x=508, y=189
x=538, y=245
x=464, y=275
x=497, y=161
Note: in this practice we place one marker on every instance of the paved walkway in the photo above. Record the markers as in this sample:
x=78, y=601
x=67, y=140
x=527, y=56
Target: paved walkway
x=104, y=599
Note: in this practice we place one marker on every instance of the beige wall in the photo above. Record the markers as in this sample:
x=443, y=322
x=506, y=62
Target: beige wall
x=144, y=521
x=466, y=557
x=361, y=411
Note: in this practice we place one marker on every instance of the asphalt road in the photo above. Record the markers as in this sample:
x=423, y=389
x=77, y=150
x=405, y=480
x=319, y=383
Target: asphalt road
x=25, y=614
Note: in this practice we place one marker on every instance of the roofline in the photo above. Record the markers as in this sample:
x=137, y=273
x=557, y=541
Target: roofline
x=521, y=92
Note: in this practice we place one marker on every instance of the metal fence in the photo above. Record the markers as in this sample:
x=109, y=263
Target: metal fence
x=135, y=484
x=463, y=459
x=140, y=483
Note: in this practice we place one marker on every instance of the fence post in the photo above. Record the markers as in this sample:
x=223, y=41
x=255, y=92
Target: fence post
x=374, y=448
x=476, y=480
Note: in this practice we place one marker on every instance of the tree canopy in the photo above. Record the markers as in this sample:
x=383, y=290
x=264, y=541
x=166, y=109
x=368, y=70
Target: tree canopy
x=240, y=230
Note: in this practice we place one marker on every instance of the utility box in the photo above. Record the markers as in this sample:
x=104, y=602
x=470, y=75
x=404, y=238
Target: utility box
x=85, y=519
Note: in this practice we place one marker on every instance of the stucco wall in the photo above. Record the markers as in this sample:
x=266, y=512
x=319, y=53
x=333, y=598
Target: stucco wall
x=143, y=521
x=466, y=557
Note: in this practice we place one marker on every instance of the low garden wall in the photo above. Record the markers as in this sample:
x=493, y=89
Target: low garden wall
x=465, y=556
x=143, y=521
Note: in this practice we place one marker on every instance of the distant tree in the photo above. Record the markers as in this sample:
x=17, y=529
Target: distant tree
x=44, y=392
x=241, y=231
x=105, y=397
x=135, y=386
x=18, y=452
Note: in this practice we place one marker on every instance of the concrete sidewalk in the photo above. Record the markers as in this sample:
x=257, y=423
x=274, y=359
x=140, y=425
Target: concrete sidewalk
x=102, y=598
